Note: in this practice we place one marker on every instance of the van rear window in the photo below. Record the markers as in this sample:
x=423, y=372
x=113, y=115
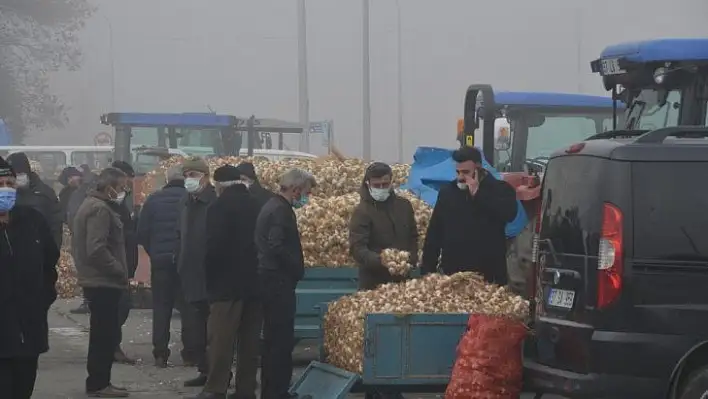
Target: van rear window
x=572, y=214
x=670, y=210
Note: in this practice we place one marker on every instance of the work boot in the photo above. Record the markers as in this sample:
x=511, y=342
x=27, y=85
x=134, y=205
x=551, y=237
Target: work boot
x=81, y=309
x=120, y=357
x=108, y=392
x=199, y=381
x=161, y=362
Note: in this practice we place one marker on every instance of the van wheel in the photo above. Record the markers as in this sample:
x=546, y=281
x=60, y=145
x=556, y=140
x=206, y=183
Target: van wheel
x=696, y=386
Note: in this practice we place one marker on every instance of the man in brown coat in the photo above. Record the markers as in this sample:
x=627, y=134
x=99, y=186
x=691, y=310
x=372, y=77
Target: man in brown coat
x=381, y=220
x=99, y=254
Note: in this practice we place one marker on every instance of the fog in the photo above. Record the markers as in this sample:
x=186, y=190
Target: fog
x=240, y=58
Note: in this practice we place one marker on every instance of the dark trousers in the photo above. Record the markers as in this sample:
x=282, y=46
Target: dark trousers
x=17, y=376
x=104, y=335
x=166, y=296
x=234, y=324
x=124, y=306
x=194, y=335
x=278, y=336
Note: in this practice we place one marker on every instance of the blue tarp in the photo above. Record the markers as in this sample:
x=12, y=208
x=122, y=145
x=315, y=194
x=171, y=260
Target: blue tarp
x=5, y=136
x=432, y=167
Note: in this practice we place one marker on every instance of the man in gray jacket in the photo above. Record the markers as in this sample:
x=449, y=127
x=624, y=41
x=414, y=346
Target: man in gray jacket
x=99, y=255
x=190, y=262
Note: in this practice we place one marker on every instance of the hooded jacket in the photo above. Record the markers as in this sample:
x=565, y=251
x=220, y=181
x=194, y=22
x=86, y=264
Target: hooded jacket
x=376, y=226
x=466, y=233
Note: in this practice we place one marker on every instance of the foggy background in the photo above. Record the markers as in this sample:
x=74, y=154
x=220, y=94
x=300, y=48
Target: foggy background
x=239, y=57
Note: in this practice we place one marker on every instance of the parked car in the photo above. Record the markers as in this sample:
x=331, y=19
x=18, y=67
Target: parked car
x=621, y=257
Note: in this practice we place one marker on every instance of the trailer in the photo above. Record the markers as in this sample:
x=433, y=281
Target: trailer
x=320, y=285
x=407, y=353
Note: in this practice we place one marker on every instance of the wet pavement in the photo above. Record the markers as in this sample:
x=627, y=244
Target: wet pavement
x=62, y=370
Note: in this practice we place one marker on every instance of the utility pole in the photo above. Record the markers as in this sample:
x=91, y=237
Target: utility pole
x=303, y=95
x=399, y=73
x=112, y=64
x=366, y=81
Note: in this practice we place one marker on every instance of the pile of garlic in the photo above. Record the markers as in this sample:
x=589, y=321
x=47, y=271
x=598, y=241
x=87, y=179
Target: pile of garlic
x=334, y=177
x=460, y=293
x=396, y=261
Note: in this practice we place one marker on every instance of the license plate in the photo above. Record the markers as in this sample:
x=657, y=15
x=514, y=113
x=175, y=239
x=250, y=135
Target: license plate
x=611, y=66
x=561, y=298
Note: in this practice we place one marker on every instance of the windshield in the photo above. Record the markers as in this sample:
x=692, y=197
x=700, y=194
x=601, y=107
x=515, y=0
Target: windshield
x=558, y=131
x=200, y=141
x=145, y=163
x=646, y=112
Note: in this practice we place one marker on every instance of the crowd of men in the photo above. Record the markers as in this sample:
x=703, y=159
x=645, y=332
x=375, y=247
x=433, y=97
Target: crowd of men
x=224, y=251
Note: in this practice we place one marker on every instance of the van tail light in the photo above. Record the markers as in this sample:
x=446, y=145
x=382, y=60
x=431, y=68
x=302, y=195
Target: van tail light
x=610, y=265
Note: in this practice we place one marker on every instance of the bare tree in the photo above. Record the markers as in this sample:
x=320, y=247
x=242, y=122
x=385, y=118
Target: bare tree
x=37, y=37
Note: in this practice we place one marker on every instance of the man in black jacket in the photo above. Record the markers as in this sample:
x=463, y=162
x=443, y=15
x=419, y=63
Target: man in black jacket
x=231, y=282
x=156, y=233
x=466, y=230
x=33, y=192
x=190, y=261
x=28, y=256
x=131, y=251
x=280, y=266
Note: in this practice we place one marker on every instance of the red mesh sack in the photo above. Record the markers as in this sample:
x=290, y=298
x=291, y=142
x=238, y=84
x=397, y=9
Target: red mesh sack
x=488, y=364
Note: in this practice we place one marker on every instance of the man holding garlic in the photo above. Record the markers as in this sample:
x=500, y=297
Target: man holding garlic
x=466, y=229
x=383, y=237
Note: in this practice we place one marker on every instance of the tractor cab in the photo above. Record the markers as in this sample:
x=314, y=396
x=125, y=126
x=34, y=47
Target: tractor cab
x=663, y=82
x=202, y=134
x=518, y=131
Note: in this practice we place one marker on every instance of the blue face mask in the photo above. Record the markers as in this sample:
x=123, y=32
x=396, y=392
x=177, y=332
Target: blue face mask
x=8, y=196
x=300, y=202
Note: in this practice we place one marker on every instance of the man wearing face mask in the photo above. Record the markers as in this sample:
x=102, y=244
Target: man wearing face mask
x=131, y=250
x=28, y=256
x=280, y=266
x=260, y=194
x=33, y=192
x=466, y=230
x=381, y=220
x=99, y=255
x=190, y=262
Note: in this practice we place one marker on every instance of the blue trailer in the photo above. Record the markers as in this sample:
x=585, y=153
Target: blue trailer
x=320, y=285
x=402, y=353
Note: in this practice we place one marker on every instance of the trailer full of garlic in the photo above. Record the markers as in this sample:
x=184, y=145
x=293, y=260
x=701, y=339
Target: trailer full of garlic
x=464, y=292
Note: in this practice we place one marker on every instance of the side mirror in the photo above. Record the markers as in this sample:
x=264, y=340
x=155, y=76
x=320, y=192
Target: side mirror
x=502, y=143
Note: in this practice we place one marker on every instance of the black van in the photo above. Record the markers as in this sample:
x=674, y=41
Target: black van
x=621, y=251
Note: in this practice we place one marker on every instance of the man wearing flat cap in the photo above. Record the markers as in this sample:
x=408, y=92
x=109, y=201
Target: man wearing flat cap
x=231, y=284
x=190, y=262
x=28, y=255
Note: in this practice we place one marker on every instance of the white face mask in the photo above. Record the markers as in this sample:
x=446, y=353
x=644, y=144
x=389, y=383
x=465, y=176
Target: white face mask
x=22, y=180
x=192, y=184
x=120, y=197
x=379, y=194
x=462, y=185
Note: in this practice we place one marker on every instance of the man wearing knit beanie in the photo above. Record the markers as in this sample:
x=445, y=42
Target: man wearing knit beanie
x=33, y=192
x=28, y=256
x=231, y=278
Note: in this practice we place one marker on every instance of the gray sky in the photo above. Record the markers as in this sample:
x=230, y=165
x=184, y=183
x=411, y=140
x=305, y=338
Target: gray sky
x=240, y=58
